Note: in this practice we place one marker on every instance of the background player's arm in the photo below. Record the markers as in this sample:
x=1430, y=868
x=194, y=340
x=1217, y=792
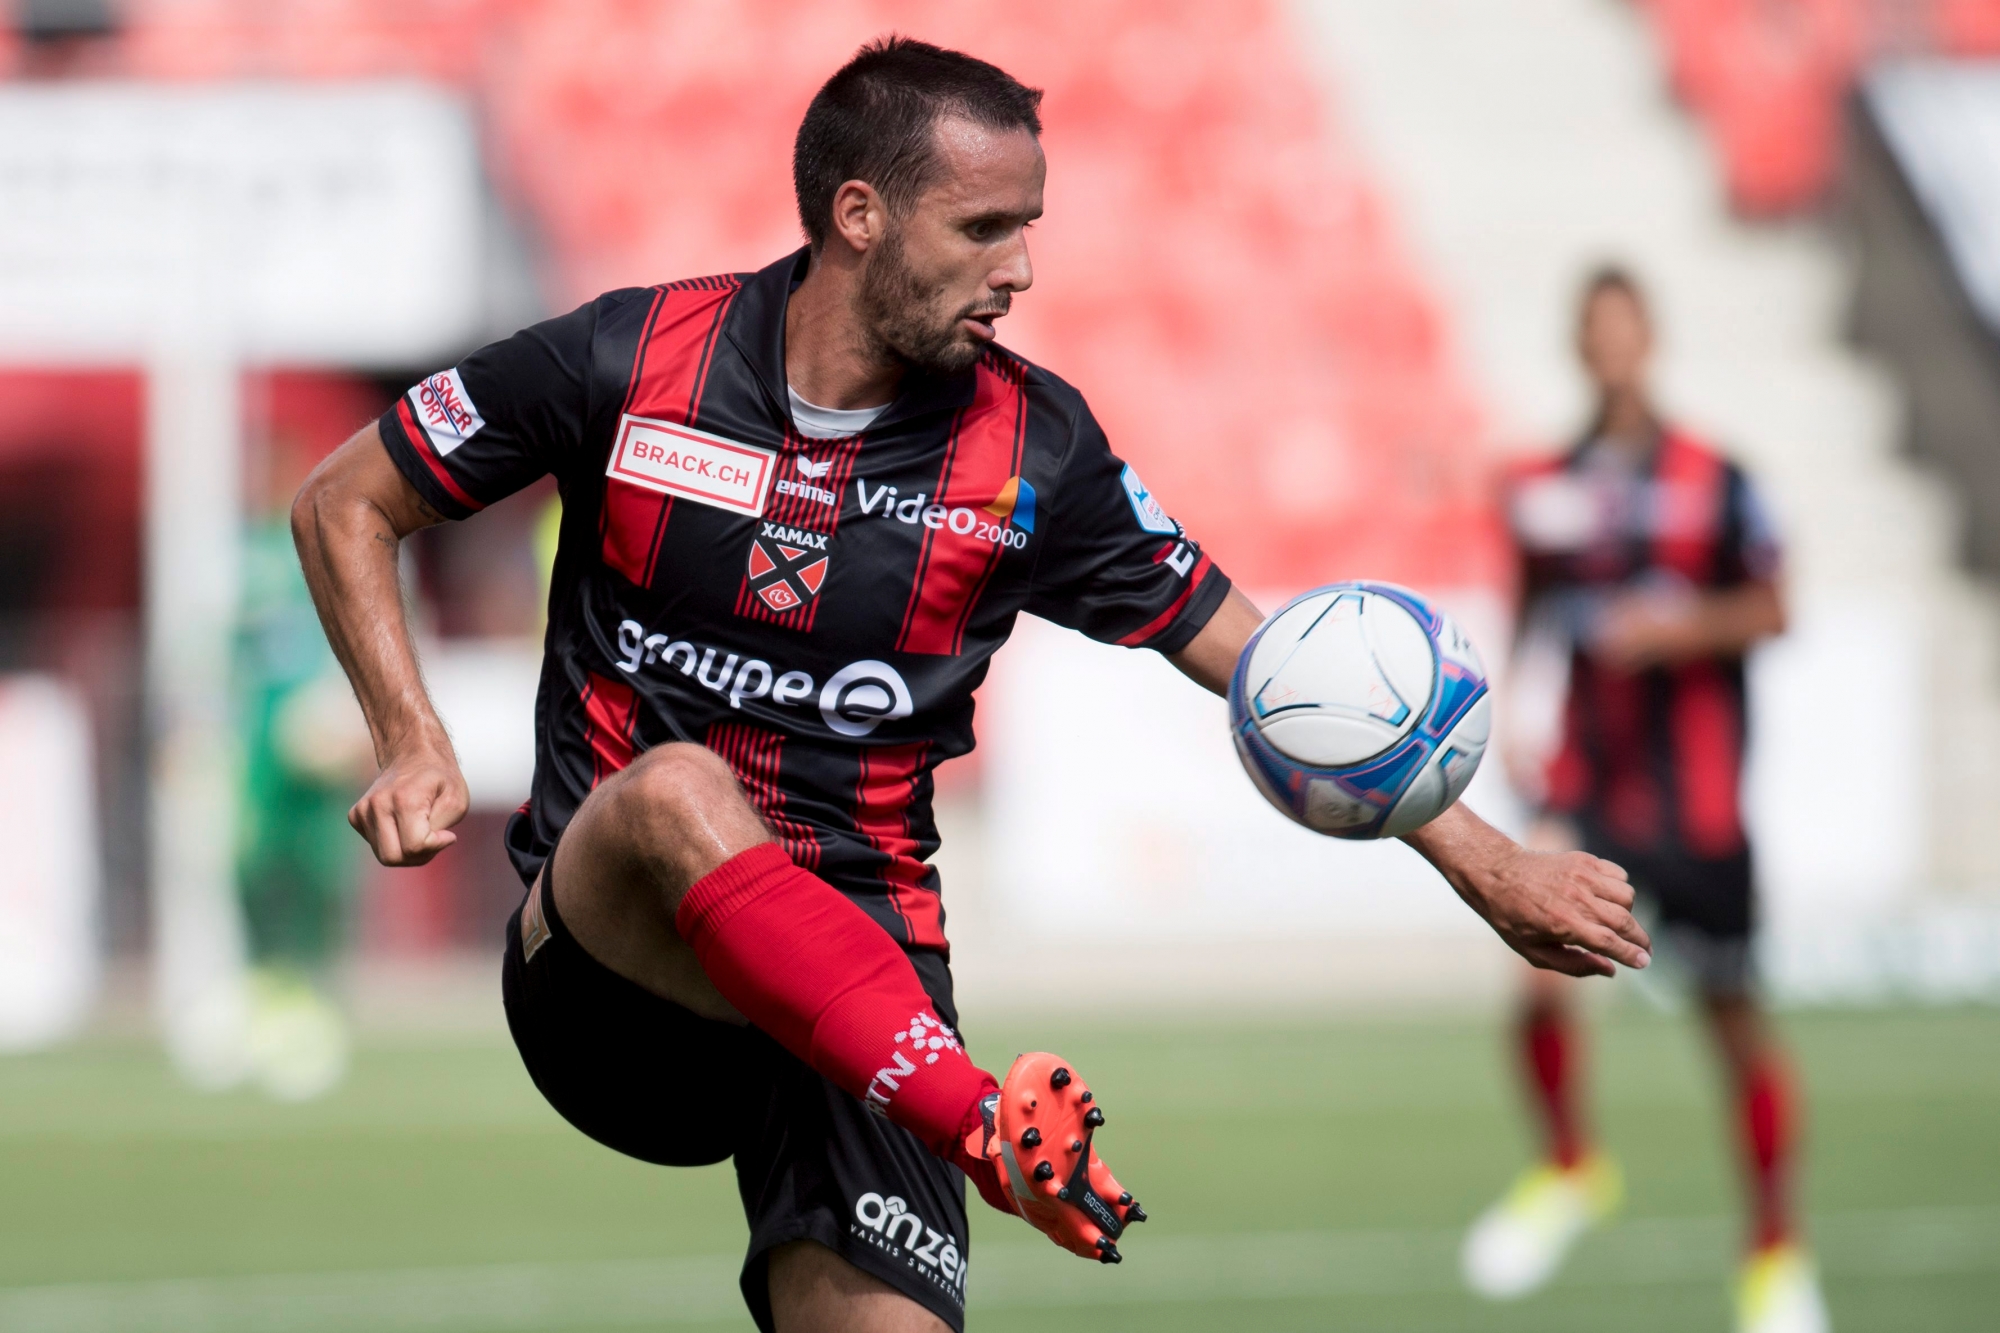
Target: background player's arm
x=1565, y=911
x=348, y=522
x=1645, y=628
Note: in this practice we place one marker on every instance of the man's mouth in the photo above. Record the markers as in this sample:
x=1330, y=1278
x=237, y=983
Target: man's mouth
x=982, y=321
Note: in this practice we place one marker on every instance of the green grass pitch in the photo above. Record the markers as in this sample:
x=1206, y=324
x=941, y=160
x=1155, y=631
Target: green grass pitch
x=1301, y=1175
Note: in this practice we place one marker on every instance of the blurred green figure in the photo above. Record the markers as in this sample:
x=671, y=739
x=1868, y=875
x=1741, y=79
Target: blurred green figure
x=304, y=746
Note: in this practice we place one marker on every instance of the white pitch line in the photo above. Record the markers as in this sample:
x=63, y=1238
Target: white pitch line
x=1236, y=1266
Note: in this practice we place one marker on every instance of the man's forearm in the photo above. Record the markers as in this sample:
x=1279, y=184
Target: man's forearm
x=348, y=550
x=1734, y=621
x=1455, y=840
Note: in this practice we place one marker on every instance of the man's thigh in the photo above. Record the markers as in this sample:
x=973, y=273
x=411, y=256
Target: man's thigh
x=814, y=1290
x=629, y=853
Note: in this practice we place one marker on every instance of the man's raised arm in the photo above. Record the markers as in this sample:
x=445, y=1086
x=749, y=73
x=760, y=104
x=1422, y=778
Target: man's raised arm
x=1565, y=911
x=348, y=523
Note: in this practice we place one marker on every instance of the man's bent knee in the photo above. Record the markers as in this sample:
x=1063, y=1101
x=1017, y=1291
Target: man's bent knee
x=678, y=807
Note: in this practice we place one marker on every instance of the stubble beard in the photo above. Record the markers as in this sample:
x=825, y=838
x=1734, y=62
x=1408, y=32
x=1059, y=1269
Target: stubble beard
x=906, y=315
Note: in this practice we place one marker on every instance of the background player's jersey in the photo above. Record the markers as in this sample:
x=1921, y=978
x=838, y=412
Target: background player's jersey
x=1652, y=758
x=817, y=612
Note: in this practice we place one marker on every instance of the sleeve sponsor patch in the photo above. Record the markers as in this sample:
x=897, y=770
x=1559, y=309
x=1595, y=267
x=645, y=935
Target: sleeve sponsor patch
x=445, y=410
x=1151, y=516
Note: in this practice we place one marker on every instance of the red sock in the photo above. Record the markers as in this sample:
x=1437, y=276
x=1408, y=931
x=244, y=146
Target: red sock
x=1765, y=1104
x=1547, y=1044
x=814, y=971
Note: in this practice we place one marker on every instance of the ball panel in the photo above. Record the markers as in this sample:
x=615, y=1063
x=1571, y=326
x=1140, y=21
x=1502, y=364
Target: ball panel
x=1358, y=657
x=1402, y=650
x=1326, y=739
x=1329, y=808
x=1448, y=767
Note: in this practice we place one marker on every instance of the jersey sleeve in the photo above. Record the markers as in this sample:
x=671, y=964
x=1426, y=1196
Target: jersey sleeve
x=1751, y=549
x=508, y=414
x=1114, y=565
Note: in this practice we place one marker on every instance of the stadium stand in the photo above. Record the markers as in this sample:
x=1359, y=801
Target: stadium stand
x=1266, y=358
x=1768, y=77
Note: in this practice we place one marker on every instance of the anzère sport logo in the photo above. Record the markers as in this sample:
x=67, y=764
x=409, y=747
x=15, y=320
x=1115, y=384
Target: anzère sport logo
x=893, y=1227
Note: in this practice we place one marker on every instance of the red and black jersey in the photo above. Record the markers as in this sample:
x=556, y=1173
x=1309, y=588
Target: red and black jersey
x=817, y=612
x=1652, y=759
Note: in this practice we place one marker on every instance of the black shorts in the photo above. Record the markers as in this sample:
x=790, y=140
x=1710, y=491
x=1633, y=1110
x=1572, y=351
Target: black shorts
x=648, y=1078
x=1703, y=906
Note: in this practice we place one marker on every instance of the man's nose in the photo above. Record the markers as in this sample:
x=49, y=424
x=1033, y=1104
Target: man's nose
x=1015, y=273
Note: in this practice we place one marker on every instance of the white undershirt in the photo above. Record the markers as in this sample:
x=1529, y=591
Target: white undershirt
x=830, y=423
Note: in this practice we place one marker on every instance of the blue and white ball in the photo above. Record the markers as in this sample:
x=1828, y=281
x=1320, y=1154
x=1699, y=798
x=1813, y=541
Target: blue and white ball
x=1360, y=710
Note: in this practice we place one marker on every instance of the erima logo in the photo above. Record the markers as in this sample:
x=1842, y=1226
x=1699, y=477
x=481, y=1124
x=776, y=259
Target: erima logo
x=855, y=700
x=891, y=1224
x=1005, y=521
x=812, y=472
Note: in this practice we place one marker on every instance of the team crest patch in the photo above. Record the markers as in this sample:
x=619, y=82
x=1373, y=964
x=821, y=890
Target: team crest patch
x=786, y=576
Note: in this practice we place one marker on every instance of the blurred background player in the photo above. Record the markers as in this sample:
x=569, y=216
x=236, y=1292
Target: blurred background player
x=303, y=761
x=1648, y=556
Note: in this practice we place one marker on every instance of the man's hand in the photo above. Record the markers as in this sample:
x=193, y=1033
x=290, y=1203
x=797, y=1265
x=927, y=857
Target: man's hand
x=1565, y=911
x=407, y=811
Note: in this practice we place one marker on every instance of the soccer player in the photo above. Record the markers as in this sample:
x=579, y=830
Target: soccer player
x=1649, y=557
x=802, y=508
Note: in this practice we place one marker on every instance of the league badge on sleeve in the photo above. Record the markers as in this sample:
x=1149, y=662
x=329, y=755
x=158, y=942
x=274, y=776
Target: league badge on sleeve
x=1152, y=518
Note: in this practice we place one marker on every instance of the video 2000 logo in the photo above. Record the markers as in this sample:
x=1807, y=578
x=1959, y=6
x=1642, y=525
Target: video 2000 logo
x=855, y=700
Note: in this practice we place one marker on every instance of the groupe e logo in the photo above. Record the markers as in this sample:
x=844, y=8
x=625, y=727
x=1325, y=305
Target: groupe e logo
x=854, y=701
x=894, y=1221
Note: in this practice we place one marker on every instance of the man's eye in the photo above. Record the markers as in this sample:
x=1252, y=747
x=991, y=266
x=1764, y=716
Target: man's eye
x=982, y=231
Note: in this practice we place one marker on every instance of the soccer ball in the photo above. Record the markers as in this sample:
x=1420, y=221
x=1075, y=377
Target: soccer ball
x=1360, y=710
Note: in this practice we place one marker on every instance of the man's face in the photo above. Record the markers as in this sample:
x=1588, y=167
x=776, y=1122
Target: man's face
x=949, y=268
x=1615, y=341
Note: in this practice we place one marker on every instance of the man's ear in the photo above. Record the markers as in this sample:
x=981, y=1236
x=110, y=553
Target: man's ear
x=859, y=217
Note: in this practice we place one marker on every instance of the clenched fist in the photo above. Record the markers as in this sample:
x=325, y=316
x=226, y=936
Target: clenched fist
x=407, y=812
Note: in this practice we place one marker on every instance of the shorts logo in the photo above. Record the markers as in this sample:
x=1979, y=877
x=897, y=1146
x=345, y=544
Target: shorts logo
x=693, y=464
x=891, y=1225
x=534, y=923
x=785, y=576
x=444, y=409
x=1152, y=518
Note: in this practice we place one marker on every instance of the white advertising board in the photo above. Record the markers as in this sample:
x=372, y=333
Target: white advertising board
x=321, y=225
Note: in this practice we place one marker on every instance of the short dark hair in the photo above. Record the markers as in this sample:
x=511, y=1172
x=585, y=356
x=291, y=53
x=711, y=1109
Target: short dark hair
x=874, y=119
x=1612, y=277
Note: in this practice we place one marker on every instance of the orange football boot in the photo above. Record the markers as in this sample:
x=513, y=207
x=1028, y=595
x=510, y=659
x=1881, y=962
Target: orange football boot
x=1039, y=1136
